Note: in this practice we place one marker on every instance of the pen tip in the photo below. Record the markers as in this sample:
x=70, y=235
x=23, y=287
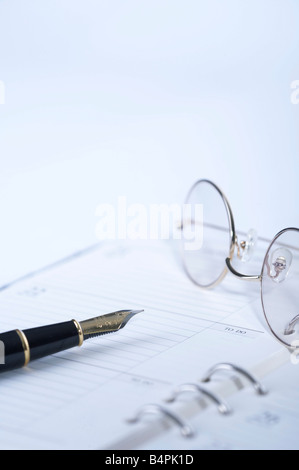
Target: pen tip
x=107, y=323
x=127, y=315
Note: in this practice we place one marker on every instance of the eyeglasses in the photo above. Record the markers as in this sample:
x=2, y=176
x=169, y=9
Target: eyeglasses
x=217, y=245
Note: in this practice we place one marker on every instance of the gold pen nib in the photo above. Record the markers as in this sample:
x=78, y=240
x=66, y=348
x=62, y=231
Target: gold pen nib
x=107, y=323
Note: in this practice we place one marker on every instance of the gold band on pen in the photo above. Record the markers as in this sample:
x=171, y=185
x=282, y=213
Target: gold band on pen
x=25, y=346
x=80, y=332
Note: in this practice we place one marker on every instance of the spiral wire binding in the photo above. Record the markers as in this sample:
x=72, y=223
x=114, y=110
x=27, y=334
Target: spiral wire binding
x=186, y=430
x=223, y=407
x=225, y=366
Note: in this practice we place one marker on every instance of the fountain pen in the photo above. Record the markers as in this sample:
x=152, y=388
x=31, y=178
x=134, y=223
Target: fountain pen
x=21, y=347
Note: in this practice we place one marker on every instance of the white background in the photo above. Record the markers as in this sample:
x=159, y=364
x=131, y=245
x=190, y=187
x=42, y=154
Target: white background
x=140, y=99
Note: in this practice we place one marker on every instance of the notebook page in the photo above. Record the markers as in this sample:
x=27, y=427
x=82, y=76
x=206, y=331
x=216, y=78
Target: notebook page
x=82, y=397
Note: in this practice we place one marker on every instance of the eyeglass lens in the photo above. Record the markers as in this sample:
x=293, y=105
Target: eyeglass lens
x=280, y=287
x=204, y=259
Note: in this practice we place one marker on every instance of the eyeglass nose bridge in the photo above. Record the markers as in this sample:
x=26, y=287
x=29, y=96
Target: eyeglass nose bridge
x=235, y=244
x=244, y=277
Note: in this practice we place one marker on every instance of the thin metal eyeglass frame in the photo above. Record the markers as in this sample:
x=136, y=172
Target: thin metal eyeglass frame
x=232, y=249
x=233, y=242
x=262, y=298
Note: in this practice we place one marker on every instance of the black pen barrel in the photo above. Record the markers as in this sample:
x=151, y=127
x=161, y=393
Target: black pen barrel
x=12, y=351
x=18, y=348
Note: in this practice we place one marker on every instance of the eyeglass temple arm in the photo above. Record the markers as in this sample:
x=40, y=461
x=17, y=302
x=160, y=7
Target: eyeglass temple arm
x=245, y=277
x=290, y=327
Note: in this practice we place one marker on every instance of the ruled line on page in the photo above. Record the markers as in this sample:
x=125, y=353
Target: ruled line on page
x=172, y=318
x=91, y=311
